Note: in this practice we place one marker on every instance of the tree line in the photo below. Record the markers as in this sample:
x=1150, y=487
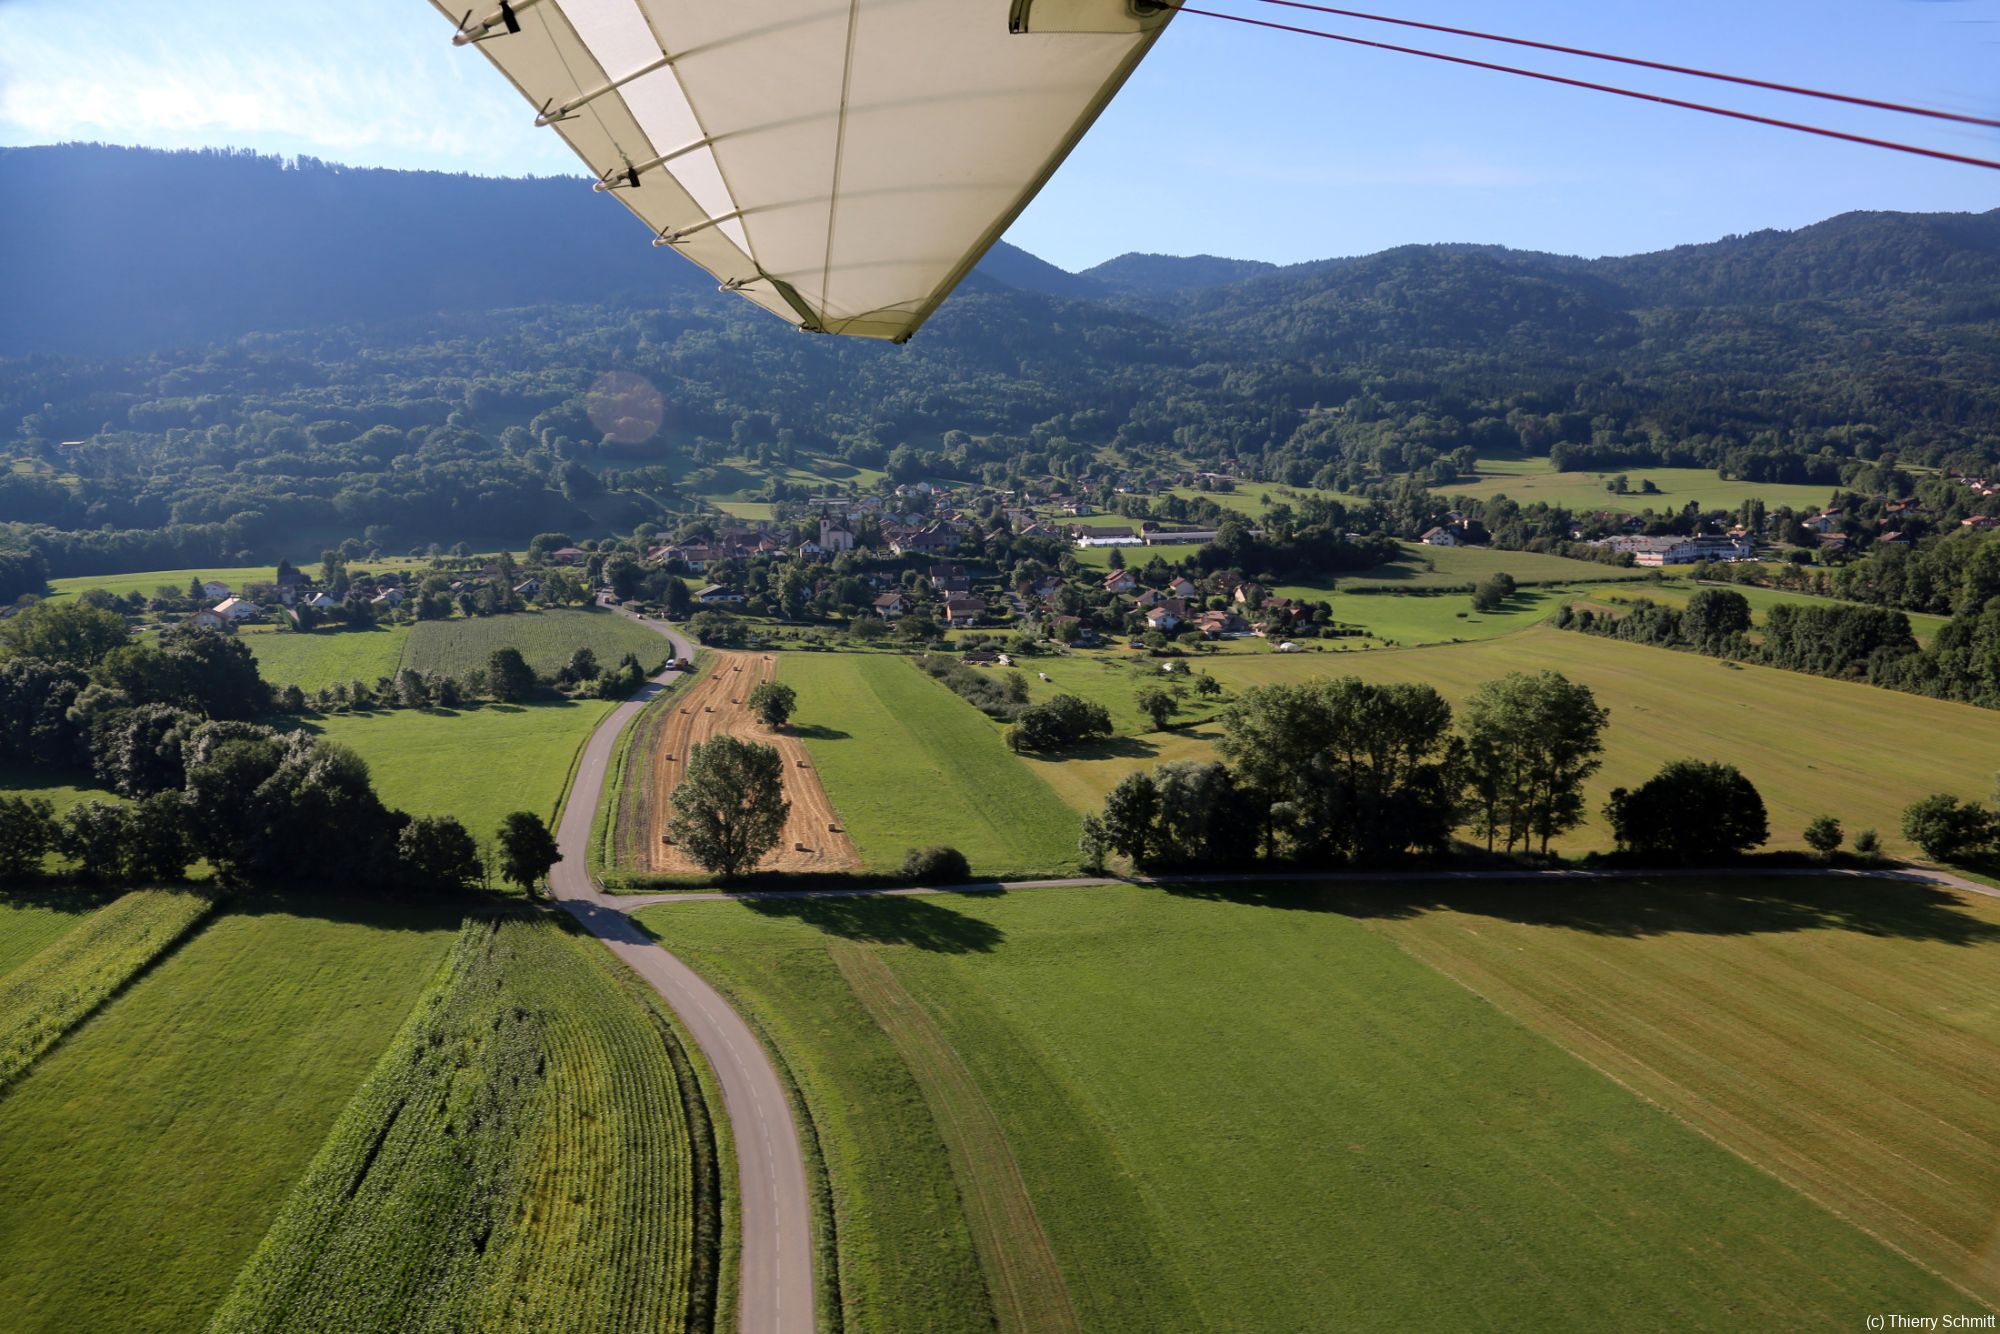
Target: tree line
x=1338, y=772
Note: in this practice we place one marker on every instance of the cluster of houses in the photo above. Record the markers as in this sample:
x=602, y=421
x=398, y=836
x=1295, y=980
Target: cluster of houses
x=951, y=585
x=1180, y=606
x=1674, y=550
x=1150, y=534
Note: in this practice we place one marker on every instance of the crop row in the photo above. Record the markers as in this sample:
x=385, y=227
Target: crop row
x=523, y=1157
x=46, y=996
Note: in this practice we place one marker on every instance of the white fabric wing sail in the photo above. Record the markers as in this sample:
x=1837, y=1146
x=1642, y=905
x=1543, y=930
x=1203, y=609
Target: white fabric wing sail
x=842, y=163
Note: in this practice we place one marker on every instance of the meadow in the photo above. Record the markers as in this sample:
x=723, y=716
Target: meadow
x=75, y=972
x=477, y=764
x=546, y=639
x=1529, y=480
x=148, y=582
x=1843, y=1035
x=1422, y=566
x=1248, y=1112
x=531, y=1151
x=1812, y=746
x=909, y=764
x=147, y=1154
x=327, y=657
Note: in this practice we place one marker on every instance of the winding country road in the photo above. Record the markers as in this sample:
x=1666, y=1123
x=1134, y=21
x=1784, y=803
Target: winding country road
x=777, y=1292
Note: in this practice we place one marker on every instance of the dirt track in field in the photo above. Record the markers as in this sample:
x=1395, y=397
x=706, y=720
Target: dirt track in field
x=719, y=705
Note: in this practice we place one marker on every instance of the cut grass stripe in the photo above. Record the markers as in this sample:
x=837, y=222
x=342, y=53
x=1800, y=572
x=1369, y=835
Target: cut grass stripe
x=1021, y=1270
x=50, y=993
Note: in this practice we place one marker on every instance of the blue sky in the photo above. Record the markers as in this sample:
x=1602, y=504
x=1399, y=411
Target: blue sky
x=1228, y=140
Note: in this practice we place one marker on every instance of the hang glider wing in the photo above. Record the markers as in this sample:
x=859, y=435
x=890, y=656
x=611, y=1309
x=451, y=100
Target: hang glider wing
x=842, y=163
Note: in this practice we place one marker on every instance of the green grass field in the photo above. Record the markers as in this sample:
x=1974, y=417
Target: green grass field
x=909, y=764
x=478, y=764
x=531, y=1152
x=146, y=1156
x=1811, y=745
x=73, y=974
x=324, y=658
x=1531, y=480
x=546, y=639
x=1451, y=567
x=32, y=917
x=1842, y=1035
x=147, y=582
x=29, y=780
x=1254, y=1115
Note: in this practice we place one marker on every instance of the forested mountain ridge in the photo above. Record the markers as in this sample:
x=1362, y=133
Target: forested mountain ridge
x=431, y=372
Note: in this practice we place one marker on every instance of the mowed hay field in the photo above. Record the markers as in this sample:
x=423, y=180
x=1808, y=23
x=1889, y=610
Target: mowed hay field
x=1844, y=1035
x=479, y=764
x=909, y=764
x=147, y=1153
x=1812, y=746
x=1249, y=1114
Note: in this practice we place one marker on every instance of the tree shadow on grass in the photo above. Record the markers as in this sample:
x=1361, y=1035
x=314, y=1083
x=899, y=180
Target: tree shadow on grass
x=819, y=733
x=883, y=920
x=1638, y=908
x=1116, y=748
x=64, y=896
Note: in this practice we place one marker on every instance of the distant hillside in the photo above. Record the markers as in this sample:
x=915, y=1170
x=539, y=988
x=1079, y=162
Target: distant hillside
x=1173, y=273
x=106, y=250
x=270, y=350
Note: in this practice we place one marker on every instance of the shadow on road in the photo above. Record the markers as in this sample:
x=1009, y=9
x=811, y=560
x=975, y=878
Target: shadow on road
x=1907, y=910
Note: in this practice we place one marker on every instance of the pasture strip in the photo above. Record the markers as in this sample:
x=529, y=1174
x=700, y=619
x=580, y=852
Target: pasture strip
x=49, y=994
x=1027, y=1284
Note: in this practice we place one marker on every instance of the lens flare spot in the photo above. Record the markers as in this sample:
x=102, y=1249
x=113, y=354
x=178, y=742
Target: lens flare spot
x=625, y=407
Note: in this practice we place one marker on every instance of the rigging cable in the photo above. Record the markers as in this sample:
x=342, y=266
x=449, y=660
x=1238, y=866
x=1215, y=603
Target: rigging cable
x=1691, y=71
x=1658, y=98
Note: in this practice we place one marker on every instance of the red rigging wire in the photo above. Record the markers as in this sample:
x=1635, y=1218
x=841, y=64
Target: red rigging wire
x=1821, y=131
x=1766, y=84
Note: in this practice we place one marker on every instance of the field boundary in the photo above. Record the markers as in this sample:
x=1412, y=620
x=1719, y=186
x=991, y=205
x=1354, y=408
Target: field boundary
x=1023, y=1277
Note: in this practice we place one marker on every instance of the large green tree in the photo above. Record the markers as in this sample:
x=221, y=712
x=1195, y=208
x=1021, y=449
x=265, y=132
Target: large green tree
x=528, y=850
x=730, y=806
x=1690, y=811
x=1532, y=741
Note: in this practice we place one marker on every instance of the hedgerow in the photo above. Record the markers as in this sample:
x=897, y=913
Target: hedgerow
x=524, y=1156
x=46, y=996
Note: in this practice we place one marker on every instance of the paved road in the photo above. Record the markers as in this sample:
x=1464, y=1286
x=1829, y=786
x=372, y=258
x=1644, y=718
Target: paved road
x=777, y=1293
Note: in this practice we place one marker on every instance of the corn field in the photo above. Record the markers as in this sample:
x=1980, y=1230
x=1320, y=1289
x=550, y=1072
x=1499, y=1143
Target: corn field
x=531, y=1153
x=46, y=996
